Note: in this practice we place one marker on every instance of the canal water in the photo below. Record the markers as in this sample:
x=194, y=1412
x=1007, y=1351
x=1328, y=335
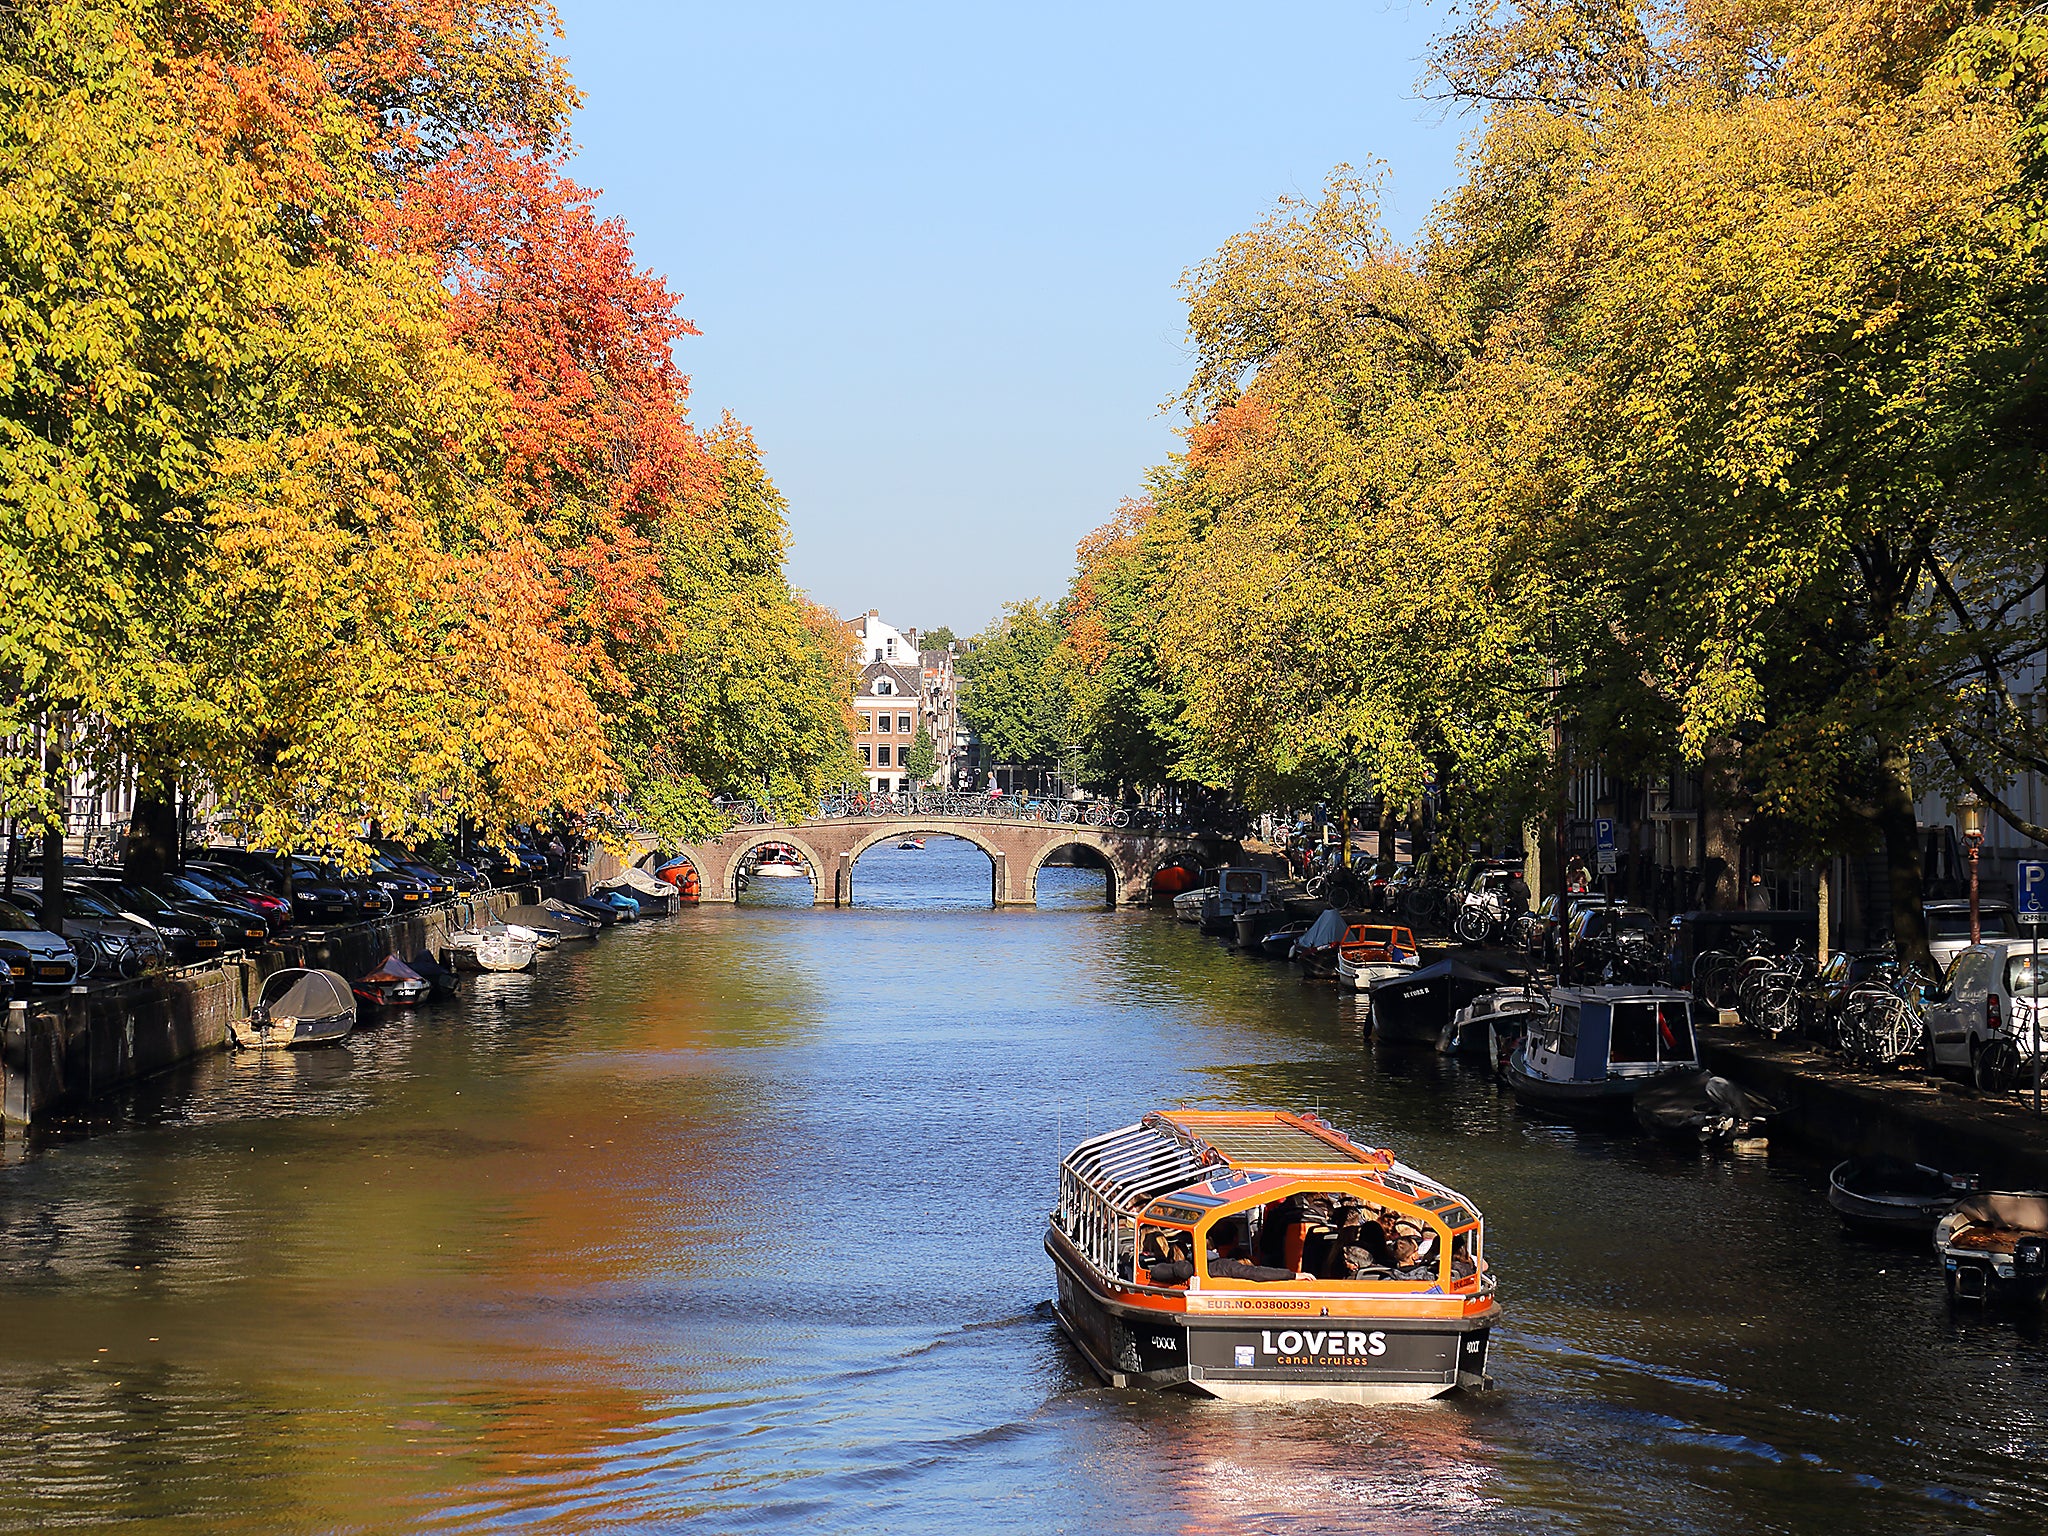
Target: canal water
x=731, y=1223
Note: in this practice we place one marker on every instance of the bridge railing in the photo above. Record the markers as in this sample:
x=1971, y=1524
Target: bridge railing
x=1007, y=808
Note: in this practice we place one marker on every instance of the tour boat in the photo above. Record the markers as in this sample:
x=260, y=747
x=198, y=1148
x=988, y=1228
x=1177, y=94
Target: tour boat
x=394, y=984
x=1994, y=1247
x=1262, y=1256
x=1596, y=1046
x=1371, y=952
x=297, y=1008
x=781, y=864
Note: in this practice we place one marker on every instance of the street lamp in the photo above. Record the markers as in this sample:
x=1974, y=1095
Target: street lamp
x=1971, y=809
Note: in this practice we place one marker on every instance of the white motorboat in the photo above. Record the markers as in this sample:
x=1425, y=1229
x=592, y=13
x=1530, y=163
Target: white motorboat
x=539, y=938
x=1371, y=952
x=781, y=866
x=477, y=949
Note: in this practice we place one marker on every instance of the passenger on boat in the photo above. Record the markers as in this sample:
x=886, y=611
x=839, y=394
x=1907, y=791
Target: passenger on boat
x=1227, y=1259
x=1166, y=1259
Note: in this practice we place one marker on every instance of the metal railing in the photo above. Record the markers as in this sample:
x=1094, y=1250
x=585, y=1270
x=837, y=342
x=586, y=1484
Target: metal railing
x=946, y=806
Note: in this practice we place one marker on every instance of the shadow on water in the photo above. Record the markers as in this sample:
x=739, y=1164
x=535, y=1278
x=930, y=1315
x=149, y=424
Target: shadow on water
x=732, y=1222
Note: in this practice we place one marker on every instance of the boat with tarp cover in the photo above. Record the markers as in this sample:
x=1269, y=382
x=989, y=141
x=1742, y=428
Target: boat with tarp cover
x=1263, y=1256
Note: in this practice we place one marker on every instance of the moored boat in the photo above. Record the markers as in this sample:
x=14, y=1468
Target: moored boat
x=1371, y=952
x=1492, y=1024
x=392, y=985
x=1261, y=1256
x=441, y=981
x=1994, y=1247
x=1596, y=1046
x=1414, y=1006
x=780, y=864
x=1279, y=944
x=476, y=949
x=1701, y=1109
x=1885, y=1197
x=566, y=926
x=297, y=1008
x=915, y=844
x=1316, y=950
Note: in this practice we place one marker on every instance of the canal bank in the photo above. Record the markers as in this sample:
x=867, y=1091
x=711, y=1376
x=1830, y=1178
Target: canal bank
x=1914, y=1116
x=59, y=1054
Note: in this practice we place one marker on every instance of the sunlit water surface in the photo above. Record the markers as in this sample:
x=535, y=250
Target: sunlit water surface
x=732, y=1223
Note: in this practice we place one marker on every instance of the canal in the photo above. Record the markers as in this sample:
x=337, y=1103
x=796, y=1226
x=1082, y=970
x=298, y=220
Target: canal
x=732, y=1223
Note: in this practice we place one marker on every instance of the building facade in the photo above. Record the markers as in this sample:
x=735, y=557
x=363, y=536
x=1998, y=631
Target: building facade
x=904, y=691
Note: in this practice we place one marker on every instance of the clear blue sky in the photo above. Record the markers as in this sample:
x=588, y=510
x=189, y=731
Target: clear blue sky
x=933, y=249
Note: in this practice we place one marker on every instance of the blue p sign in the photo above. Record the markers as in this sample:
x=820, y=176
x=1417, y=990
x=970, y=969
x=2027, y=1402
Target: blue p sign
x=1603, y=831
x=2030, y=880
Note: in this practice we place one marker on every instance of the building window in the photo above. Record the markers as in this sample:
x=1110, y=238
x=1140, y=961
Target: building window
x=882, y=724
x=867, y=722
x=903, y=724
x=903, y=786
x=864, y=752
x=883, y=687
x=882, y=755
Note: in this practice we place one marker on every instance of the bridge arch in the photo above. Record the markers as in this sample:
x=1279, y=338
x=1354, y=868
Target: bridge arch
x=998, y=860
x=1112, y=851
x=735, y=861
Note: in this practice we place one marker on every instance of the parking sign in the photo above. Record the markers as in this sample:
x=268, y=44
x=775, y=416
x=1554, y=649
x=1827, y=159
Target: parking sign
x=2031, y=882
x=1603, y=844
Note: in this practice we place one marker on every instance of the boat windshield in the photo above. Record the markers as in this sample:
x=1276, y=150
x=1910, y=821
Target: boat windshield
x=1651, y=1031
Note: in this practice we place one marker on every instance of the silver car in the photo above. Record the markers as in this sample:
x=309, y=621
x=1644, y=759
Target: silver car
x=43, y=958
x=122, y=946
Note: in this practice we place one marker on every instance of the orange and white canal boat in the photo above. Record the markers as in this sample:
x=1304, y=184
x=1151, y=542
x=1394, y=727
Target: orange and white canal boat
x=1261, y=1256
x=1371, y=952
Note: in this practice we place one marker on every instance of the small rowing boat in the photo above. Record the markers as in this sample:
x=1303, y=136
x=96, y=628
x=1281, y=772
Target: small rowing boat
x=1371, y=952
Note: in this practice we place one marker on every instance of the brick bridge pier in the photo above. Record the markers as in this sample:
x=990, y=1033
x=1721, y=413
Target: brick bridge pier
x=1017, y=850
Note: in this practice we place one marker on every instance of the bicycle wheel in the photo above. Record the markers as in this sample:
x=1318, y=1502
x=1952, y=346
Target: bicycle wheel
x=1315, y=887
x=1120, y=818
x=1472, y=925
x=1780, y=1010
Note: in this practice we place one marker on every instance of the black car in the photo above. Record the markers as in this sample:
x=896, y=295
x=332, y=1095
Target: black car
x=314, y=898
x=242, y=927
x=1617, y=943
x=190, y=936
x=220, y=884
x=340, y=898
x=1543, y=922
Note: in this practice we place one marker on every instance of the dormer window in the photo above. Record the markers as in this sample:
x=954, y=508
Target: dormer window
x=883, y=685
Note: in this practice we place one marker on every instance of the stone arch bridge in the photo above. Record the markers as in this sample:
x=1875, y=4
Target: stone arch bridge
x=1017, y=850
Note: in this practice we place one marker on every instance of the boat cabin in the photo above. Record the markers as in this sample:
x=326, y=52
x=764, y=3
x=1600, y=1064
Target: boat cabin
x=1264, y=1202
x=1239, y=888
x=1378, y=944
x=1592, y=1034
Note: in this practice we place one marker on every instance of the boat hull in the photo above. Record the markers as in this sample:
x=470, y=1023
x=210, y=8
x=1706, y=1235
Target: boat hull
x=1611, y=1098
x=1276, y=1357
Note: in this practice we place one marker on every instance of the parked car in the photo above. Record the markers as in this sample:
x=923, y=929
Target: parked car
x=1614, y=942
x=189, y=936
x=35, y=957
x=123, y=946
x=219, y=885
x=442, y=884
x=358, y=900
x=1948, y=926
x=240, y=927
x=1545, y=920
x=1984, y=1020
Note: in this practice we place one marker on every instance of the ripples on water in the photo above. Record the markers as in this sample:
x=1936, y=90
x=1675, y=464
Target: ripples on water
x=732, y=1223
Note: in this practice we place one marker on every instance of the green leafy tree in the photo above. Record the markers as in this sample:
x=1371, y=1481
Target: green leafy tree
x=923, y=760
x=1011, y=692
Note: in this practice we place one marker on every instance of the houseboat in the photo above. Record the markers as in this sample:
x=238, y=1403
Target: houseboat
x=1262, y=1256
x=1596, y=1046
x=1371, y=952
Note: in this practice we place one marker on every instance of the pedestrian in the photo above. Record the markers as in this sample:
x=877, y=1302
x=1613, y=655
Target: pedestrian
x=1577, y=878
x=1758, y=897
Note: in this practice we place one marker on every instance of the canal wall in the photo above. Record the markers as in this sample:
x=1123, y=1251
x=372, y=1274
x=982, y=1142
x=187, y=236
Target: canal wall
x=60, y=1053
x=1915, y=1116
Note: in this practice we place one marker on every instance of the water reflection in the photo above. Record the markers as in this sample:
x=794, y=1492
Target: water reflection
x=732, y=1222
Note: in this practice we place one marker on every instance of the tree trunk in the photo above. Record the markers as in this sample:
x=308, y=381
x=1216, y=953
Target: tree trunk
x=1902, y=861
x=59, y=786
x=1720, y=833
x=152, y=847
